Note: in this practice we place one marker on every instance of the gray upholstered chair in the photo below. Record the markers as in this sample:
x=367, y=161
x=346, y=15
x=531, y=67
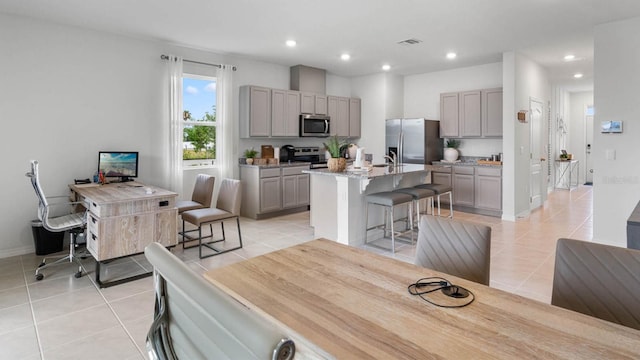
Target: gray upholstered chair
x=456, y=247
x=227, y=207
x=71, y=221
x=201, y=196
x=598, y=280
x=194, y=319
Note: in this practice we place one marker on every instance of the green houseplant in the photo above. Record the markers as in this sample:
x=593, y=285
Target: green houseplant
x=451, y=150
x=249, y=154
x=336, y=146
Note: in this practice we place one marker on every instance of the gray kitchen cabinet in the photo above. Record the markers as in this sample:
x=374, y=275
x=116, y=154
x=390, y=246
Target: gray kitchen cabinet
x=295, y=187
x=463, y=185
x=285, y=112
x=471, y=114
x=492, y=112
x=273, y=190
x=313, y=104
x=470, y=124
x=449, y=126
x=488, y=184
x=354, y=117
x=338, y=110
x=255, y=111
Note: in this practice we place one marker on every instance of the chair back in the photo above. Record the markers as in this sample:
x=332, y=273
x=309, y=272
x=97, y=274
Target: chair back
x=203, y=190
x=229, y=196
x=43, y=205
x=196, y=320
x=455, y=247
x=598, y=280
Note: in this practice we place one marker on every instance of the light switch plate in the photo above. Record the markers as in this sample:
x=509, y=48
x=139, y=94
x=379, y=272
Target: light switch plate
x=610, y=154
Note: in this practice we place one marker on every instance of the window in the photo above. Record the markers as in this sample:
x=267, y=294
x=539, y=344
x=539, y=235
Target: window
x=199, y=115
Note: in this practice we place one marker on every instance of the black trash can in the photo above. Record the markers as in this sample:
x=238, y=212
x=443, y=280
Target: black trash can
x=46, y=242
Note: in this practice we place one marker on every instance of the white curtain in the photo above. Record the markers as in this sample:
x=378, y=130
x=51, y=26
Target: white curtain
x=225, y=142
x=174, y=156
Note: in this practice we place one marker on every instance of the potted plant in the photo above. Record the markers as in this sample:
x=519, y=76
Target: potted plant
x=335, y=146
x=249, y=154
x=451, y=150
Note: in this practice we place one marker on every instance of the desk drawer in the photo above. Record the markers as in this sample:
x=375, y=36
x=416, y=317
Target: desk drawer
x=132, y=207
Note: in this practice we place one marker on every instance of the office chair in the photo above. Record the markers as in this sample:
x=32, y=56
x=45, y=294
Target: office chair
x=194, y=319
x=200, y=199
x=75, y=222
x=598, y=280
x=456, y=247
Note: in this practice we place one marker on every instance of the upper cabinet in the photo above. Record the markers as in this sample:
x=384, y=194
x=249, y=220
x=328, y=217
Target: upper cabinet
x=473, y=114
x=285, y=112
x=313, y=104
x=268, y=112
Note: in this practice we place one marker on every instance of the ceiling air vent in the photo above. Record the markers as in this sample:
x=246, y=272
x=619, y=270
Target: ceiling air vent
x=410, y=42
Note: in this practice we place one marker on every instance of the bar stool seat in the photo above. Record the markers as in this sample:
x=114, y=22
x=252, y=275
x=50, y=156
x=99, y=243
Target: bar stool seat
x=418, y=194
x=388, y=199
x=440, y=189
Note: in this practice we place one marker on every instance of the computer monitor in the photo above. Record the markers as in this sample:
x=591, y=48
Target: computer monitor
x=121, y=164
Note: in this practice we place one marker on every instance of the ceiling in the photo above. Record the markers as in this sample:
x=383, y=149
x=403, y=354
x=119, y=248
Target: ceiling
x=369, y=30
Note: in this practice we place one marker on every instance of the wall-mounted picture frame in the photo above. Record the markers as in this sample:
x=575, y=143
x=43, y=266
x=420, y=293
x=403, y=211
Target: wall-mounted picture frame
x=611, y=127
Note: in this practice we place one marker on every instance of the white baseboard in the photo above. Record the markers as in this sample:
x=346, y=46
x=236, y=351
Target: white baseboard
x=16, y=252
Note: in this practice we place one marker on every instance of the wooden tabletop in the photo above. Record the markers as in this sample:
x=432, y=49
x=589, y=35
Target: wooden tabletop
x=354, y=304
x=114, y=192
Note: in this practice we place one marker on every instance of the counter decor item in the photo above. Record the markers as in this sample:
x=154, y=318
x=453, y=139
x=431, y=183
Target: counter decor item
x=250, y=154
x=335, y=147
x=451, y=150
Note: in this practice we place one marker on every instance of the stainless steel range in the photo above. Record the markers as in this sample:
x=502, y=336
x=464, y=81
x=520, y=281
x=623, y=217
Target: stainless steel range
x=311, y=154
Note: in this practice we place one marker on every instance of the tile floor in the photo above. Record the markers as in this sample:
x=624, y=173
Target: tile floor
x=63, y=317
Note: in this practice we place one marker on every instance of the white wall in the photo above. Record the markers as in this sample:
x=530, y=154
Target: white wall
x=422, y=98
x=523, y=80
x=66, y=93
x=576, y=129
x=371, y=90
x=616, y=185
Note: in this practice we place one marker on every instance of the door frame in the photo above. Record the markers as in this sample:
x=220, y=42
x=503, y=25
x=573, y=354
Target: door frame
x=539, y=199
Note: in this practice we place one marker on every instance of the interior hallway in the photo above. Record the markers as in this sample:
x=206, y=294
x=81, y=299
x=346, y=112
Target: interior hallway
x=63, y=317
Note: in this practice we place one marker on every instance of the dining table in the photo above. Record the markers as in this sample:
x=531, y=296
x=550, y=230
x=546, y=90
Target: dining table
x=344, y=302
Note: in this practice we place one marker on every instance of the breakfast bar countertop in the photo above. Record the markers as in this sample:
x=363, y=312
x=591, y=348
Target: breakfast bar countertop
x=376, y=171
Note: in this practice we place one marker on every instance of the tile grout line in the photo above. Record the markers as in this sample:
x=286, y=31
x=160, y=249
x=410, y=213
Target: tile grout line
x=33, y=314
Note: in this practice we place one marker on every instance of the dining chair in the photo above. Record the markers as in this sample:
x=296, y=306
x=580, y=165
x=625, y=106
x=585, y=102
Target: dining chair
x=227, y=207
x=599, y=280
x=200, y=198
x=457, y=247
x=193, y=319
x=71, y=221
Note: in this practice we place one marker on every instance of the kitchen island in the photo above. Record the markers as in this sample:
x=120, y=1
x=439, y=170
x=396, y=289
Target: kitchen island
x=338, y=203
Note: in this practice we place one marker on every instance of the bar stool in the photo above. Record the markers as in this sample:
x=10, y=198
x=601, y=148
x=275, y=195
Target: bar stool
x=440, y=189
x=418, y=194
x=389, y=200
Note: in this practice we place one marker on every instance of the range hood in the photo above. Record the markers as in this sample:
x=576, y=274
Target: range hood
x=308, y=79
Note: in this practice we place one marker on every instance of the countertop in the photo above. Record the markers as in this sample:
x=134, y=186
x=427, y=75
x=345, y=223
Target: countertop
x=376, y=171
x=464, y=163
x=279, y=165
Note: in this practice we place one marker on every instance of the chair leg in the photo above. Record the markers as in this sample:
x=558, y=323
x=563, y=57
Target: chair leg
x=450, y=205
x=70, y=257
x=393, y=233
x=439, y=205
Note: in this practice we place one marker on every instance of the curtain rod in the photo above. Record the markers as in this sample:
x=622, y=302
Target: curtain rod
x=166, y=57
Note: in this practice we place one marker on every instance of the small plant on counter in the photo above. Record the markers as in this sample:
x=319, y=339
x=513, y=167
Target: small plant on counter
x=335, y=146
x=250, y=153
x=453, y=143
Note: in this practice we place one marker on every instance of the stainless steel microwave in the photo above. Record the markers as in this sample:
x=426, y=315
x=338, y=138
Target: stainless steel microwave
x=314, y=125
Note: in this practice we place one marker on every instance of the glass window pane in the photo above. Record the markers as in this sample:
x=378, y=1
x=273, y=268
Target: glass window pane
x=199, y=142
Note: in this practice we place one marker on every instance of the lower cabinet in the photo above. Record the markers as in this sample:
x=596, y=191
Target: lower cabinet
x=463, y=183
x=488, y=184
x=268, y=191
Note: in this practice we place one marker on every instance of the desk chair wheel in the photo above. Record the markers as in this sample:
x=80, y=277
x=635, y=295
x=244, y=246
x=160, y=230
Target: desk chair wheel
x=39, y=277
x=78, y=274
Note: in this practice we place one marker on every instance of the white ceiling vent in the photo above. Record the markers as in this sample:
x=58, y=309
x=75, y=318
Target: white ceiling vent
x=410, y=42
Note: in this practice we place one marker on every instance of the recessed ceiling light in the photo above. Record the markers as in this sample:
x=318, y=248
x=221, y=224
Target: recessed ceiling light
x=451, y=55
x=569, y=57
x=345, y=57
x=386, y=67
x=577, y=75
x=291, y=43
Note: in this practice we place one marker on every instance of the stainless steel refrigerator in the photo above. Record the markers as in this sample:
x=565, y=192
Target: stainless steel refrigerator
x=414, y=141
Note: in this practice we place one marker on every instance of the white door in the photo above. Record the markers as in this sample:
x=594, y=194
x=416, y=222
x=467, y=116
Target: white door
x=536, y=155
x=588, y=176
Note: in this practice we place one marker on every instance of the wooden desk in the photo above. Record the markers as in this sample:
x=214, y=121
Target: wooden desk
x=123, y=219
x=354, y=304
